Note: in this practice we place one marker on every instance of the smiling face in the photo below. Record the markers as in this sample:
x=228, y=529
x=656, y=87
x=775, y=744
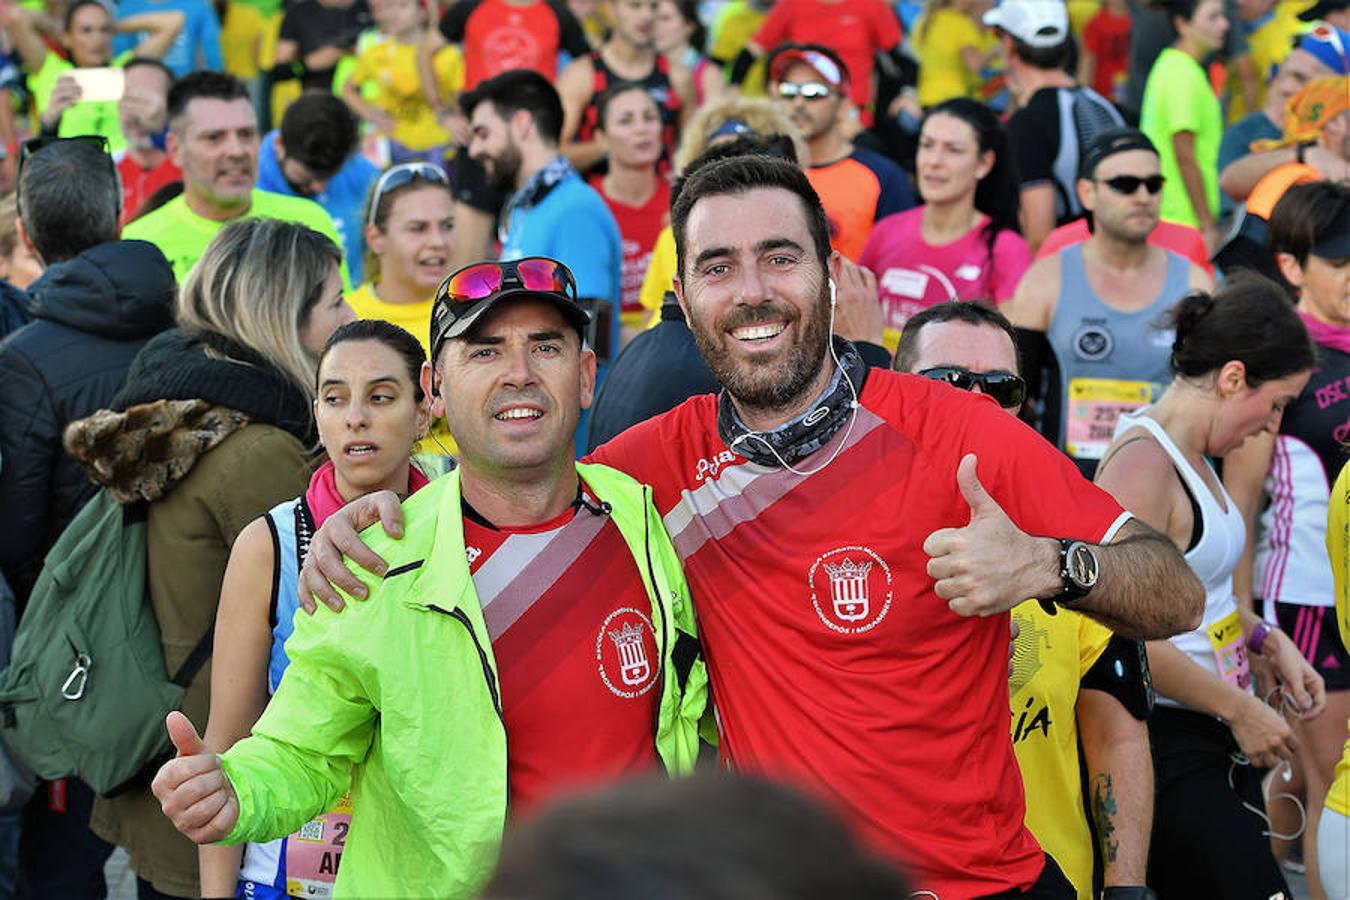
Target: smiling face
x=756, y=298
x=514, y=387
x=414, y=247
x=633, y=129
x=368, y=416
x=949, y=162
x=491, y=144
x=215, y=143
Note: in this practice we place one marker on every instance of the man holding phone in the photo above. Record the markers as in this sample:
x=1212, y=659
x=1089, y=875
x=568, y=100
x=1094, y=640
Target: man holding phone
x=70, y=99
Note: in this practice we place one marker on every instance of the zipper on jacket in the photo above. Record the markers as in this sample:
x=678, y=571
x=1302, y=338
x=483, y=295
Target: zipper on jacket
x=660, y=608
x=463, y=619
x=460, y=616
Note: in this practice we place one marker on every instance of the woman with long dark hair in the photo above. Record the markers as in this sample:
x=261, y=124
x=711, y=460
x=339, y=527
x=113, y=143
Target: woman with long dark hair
x=962, y=243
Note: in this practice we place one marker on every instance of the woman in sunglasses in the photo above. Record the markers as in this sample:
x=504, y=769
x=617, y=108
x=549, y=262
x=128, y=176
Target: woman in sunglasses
x=410, y=224
x=962, y=243
x=1240, y=357
x=370, y=410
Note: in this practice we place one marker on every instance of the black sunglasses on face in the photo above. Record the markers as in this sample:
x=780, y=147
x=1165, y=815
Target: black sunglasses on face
x=1128, y=184
x=1007, y=389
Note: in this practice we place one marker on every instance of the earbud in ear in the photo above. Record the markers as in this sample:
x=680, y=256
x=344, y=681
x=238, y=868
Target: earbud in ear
x=834, y=292
x=435, y=389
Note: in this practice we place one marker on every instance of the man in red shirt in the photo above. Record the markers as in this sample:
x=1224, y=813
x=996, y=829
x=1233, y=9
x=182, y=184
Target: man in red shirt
x=144, y=165
x=853, y=540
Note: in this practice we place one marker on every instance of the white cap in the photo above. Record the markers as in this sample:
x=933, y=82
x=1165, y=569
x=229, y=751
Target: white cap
x=1036, y=23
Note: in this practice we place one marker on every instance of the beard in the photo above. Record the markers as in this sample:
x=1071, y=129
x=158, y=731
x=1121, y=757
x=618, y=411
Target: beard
x=774, y=384
x=503, y=168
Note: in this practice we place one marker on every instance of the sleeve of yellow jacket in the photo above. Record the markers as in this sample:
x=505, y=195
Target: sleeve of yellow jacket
x=1338, y=546
x=317, y=726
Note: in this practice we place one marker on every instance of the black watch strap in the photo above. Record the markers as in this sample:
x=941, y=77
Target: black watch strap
x=1130, y=892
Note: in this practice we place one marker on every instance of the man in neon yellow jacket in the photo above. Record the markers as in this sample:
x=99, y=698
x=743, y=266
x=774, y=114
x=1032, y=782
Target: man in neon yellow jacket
x=532, y=597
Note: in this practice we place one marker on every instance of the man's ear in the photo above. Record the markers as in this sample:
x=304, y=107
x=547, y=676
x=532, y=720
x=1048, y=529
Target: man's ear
x=174, y=147
x=677, y=287
x=431, y=389
x=587, y=378
x=27, y=241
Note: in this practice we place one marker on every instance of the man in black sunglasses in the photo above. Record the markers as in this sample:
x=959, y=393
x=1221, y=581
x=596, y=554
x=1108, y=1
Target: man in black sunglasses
x=1094, y=308
x=1072, y=680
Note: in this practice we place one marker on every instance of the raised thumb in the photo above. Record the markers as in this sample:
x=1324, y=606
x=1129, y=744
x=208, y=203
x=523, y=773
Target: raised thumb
x=183, y=735
x=976, y=496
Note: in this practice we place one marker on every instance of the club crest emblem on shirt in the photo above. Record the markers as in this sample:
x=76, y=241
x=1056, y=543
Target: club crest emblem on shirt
x=850, y=589
x=625, y=653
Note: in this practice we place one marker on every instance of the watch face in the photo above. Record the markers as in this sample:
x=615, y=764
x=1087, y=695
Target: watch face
x=1082, y=565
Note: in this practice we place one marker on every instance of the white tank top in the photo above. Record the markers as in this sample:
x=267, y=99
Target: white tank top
x=1222, y=539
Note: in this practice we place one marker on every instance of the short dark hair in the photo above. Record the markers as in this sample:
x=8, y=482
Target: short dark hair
x=970, y=312
x=400, y=340
x=150, y=63
x=1251, y=321
x=518, y=89
x=778, y=146
x=742, y=174
x=1049, y=58
x=78, y=5
x=70, y=199
x=202, y=84
x=650, y=837
x=319, y=132
x=1306, y=215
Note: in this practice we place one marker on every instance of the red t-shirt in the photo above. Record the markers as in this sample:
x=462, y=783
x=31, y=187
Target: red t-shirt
x=639, y=226
x=833, y=662
x=138, y=184
x=1107, y=37
x=854, y=29
x=497, y=36
x=568, y=656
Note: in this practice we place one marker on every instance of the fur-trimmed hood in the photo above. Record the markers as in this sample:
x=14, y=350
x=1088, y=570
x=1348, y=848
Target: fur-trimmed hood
x=140, y=454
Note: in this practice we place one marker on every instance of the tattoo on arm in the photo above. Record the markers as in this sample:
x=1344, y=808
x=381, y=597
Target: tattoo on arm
x=1104, y=812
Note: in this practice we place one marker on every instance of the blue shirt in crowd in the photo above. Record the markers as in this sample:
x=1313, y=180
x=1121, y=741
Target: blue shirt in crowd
x=344, y=199
x=197, y=45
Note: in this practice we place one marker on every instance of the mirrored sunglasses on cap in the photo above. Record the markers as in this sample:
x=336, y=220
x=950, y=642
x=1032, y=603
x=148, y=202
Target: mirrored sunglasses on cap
x=1007, y=389
x=401, y=175
x=469, y=292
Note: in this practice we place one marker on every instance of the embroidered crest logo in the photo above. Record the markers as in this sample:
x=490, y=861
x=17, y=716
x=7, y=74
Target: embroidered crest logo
x=625, y=653
x=857, y=582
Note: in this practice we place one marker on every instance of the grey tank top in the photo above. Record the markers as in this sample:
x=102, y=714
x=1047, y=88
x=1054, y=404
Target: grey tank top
x=1110, y=362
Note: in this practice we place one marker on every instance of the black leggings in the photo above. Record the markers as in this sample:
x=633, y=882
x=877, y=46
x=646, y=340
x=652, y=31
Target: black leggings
x=1205, y=842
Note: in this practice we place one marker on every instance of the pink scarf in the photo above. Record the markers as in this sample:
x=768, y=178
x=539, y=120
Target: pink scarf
x=323, y=497
x=1332, y=336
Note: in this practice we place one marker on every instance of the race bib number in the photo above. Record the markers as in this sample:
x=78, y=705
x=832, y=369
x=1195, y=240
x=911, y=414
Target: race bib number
x=314, y=852
x=1094, y=407
x=1230, y=651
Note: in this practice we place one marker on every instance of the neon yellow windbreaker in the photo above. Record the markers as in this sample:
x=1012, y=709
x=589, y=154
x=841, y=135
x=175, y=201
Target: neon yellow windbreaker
x=1338, y=545
x=397, y=698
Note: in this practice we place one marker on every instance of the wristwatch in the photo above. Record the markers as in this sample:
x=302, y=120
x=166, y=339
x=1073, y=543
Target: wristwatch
x=1077, y=572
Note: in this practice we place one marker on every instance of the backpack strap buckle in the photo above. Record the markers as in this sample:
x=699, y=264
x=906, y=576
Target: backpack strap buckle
x=73, y=687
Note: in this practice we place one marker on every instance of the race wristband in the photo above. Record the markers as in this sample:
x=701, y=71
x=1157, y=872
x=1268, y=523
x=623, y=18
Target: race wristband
x=1257, y=639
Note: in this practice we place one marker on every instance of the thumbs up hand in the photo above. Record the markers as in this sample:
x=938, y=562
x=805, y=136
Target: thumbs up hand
x=192, y=788
x=990, y=565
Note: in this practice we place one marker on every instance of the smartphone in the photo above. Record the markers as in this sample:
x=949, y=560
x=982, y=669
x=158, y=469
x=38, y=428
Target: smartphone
x=99, y=84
